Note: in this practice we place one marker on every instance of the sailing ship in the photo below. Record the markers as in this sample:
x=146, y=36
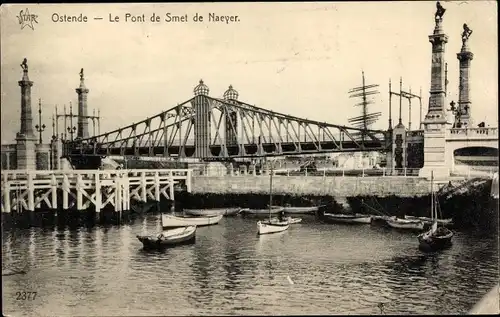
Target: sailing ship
x=273, y=225
x=436, y=238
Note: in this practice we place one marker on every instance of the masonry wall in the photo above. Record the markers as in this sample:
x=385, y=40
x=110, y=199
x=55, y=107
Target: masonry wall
x=316, y=186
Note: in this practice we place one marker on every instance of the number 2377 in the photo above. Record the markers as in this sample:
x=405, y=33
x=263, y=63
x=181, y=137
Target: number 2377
x=25, y=295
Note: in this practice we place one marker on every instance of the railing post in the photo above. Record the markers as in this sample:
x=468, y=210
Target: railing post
x=343, y=172
x=306, y=171
x=31, y=192
x=405, y=171
x=188, y=180
x=324, y=172
x=171, y=185
x=363, y=172
x=383, y=171
x=98, y=198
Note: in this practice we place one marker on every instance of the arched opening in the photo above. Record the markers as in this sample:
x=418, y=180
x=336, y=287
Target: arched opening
x=476, y=156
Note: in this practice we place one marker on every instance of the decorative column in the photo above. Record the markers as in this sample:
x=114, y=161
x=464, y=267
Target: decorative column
x=83, y=122
x=463, y=117
x=435, y=120
x=202, y=121
x=25, y=138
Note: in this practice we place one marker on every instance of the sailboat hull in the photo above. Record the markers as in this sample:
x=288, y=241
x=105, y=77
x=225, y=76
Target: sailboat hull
x=435, y=243
x=405, y=224
x=268, y=228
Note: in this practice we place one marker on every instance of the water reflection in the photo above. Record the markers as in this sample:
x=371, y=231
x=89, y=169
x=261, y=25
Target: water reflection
x=334, y=269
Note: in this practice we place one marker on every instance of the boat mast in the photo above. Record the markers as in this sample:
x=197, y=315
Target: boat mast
x=432, y=195
x=270, y=192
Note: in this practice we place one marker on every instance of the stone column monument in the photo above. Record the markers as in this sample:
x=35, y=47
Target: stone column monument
x=435, y=120
x=463, y=119
x=25, y=138
x=83, y=121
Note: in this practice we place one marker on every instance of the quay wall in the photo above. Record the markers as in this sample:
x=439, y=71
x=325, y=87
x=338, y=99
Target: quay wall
x=468, y=201
x=311, y=185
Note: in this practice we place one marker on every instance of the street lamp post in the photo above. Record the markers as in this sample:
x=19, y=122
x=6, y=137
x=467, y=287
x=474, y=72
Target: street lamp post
x=40, y=127
x=71, y=129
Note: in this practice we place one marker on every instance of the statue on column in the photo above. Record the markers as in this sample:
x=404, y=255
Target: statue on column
x=466, y=33
x=81, y=74
x=439, y=11
x=24, y=65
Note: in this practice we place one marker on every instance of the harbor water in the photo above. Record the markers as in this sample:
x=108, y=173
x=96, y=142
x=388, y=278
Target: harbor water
x=312, y=268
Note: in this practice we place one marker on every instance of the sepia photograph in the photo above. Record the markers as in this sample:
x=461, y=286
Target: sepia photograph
x=249, y=158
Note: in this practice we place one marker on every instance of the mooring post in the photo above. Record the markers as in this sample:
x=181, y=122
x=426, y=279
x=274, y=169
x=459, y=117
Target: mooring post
x=53, y=185
x=31, y=192
x=98, y=196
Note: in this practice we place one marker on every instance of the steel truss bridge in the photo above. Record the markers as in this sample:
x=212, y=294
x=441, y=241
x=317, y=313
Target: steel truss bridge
x=224, y=128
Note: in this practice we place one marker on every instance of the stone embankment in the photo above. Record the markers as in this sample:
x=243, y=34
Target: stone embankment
x=314, y=186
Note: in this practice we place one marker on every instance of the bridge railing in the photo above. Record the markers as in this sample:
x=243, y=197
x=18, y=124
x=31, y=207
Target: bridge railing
x=461, y=133
x=330, y=172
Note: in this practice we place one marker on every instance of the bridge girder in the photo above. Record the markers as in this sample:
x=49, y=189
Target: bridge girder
x=235, y=129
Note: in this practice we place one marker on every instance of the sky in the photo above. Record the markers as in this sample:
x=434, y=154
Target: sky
x=295, y=58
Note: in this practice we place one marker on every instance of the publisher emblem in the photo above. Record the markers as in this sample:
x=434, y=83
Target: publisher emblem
x=27, y=19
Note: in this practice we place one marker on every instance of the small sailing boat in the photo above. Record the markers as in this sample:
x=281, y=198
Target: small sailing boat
x=436, y=238
x=273, y=225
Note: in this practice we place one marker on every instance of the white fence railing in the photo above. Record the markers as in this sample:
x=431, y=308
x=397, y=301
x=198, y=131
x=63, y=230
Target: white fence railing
x=457, y=171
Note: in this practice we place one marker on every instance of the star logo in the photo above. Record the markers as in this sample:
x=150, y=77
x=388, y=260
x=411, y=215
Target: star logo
x=27, y=19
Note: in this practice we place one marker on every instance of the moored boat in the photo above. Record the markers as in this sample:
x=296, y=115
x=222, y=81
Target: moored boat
x=171, y=221
x=427, y=220
x=380, y=220
x=213, y=212
x=273, y=210
x=299, y=210
x=347, y=218
x=169, y=238
x=407, y=224
x=290, y=220
x=269, y=226
x=436, y=238
x=273, y=225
